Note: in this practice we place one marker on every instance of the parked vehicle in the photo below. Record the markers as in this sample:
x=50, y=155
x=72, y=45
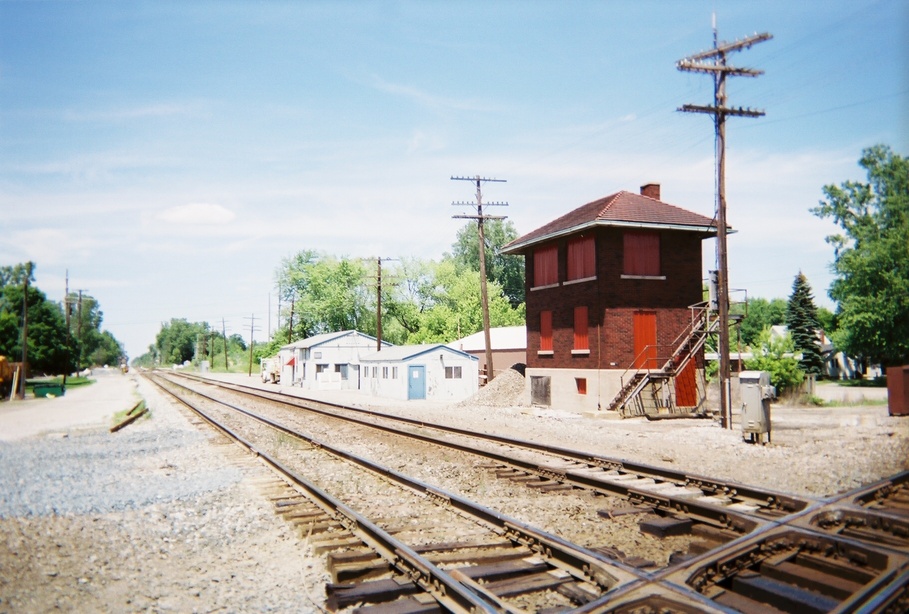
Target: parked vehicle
x=271, y=370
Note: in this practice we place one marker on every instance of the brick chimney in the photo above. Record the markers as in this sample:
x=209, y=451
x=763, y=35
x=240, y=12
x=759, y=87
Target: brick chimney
x=651, y=190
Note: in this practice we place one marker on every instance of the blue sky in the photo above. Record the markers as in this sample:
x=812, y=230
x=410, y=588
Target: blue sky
x=170, y=154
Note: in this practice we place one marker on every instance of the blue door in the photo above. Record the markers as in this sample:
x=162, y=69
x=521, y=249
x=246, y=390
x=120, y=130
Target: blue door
x=416, y=382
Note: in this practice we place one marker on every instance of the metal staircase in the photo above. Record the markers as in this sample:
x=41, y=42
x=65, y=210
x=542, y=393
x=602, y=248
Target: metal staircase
x=652, y=391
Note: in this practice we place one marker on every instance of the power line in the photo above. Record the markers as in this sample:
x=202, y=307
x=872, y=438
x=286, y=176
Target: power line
x=714, y=62
x=379, y=261
x=252, y=339
x=480, y=217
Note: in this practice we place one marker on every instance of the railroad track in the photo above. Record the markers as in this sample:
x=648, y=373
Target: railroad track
x=769, y=552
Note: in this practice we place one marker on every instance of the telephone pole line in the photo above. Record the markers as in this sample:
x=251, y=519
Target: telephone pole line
x=20, y=394
x=252, y=339
x=224, y=334
x=714, y=62
x=480, y=217
x=79, y=326
x=69, y=349
x=379, y=301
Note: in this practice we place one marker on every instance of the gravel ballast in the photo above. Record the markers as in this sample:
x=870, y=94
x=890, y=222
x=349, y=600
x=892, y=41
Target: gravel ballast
x=162, y=516
x=152, y=518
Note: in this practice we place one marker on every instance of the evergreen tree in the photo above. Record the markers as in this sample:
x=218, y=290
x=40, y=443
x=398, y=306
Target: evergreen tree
x=801, y=319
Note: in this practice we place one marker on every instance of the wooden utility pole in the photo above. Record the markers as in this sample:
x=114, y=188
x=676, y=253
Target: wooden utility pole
x=480, y=218
x=69, y=349
x=379, y=301
x=79, y=326
x=713, y=62
x=290, y=326
x=24, y=370
x=224, y=334
x=252, y=340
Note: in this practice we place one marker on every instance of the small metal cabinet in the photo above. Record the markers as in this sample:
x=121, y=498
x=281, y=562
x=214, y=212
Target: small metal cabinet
x=756, y=394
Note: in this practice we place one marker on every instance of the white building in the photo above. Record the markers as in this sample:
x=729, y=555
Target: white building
x=330, y=361
x=432, y=371
x=509, y=347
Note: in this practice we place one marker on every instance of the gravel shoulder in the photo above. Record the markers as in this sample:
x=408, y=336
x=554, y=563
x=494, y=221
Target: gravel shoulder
x=156, y=517
x=162, y=516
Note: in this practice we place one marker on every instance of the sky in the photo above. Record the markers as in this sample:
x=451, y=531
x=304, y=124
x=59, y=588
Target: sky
x=168, y=155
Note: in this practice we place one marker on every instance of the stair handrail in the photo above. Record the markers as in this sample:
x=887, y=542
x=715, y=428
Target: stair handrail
x=700, y=322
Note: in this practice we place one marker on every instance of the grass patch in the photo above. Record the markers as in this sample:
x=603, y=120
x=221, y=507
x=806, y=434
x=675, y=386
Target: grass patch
x=120, y=416
x=813, y=400
x=71, y=382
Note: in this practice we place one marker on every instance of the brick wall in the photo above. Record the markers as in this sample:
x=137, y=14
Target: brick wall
x=612, y=301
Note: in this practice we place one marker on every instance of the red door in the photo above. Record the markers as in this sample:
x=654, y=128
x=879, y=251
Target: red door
x=686, y=388
x=645, y=339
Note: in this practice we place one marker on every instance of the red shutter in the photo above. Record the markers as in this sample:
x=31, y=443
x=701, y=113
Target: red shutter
x=581, y=258
x=546, y=331
x=545, y=266
x=580, y=329
x=642, y=253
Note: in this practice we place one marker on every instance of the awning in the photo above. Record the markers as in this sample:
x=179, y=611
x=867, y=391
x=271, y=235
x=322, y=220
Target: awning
x=290, y=362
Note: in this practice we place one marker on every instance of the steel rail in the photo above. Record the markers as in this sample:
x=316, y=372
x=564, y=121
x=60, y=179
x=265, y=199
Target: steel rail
x=882, y=568
x=770, y=503
x=445, y=589
x=583, y=563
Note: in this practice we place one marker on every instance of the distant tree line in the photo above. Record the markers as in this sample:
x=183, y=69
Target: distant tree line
x=423, y=301
x=180, y=341
x=52, y=347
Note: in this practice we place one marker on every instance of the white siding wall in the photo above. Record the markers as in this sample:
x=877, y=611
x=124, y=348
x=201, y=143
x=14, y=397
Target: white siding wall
x=344, y=350
x=438, y=387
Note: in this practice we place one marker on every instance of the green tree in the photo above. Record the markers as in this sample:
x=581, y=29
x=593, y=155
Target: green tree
x=827, y=320
x=325, y=294
x=774, y=355
x=176, y=341
x=452, y=308
x=108, y=351
x=415, y=292
x=758, y=315
x=871, y=258
x=803, y=325
x=85, y=328
x=47, y=351
x=507, y=271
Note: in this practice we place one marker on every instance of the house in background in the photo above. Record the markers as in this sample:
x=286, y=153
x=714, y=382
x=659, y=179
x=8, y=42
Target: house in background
x=615, y=314
x=434, y=372
x=509, y=347
x=330, y=361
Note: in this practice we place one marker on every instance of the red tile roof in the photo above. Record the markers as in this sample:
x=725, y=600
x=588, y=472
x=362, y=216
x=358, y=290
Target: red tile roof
x=619, y=209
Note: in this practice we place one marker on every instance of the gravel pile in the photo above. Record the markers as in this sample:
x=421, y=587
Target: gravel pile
x=505, y=390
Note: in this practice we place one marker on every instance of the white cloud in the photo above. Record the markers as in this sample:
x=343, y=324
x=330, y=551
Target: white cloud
x=197, y=214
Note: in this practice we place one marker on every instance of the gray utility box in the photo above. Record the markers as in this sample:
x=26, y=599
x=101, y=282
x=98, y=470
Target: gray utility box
x=756, y=394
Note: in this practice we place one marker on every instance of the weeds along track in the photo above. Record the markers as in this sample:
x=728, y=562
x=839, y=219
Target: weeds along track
x=648, y=539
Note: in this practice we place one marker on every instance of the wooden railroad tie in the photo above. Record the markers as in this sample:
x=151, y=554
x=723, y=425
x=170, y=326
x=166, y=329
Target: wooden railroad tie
x=131, y=416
